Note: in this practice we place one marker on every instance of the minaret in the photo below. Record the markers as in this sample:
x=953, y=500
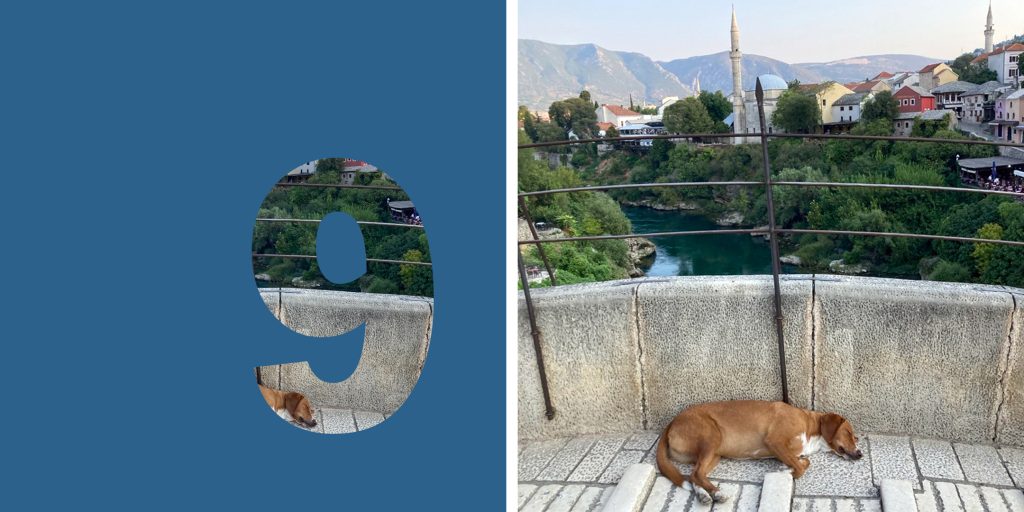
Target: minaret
x=989, y=31
x=739, y=118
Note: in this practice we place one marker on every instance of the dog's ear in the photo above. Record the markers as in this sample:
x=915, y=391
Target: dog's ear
x=830, y=424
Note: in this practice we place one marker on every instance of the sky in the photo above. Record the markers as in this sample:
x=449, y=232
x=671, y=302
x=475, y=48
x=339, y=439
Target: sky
x=793, y=31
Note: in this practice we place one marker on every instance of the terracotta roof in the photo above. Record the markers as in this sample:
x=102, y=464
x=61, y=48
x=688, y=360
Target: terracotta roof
x=883, y=74
x=354, y=163
x=604, y=126
x=852, y=85
x=1015, y=47
x=980, y=58
x=929, y=67
x=620, y=111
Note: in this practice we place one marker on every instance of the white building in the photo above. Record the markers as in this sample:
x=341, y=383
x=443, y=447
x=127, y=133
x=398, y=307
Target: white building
x=847, y=109
x=1005, y=62
x=617, y=116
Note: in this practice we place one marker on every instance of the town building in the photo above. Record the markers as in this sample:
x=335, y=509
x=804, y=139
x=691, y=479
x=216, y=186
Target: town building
x=618, y=116
x=847, y=109
x=351, y=168
x=903, y=124
x=934, y=75
x=950, y=96
x=1008, y=116
x=912, y=98
x=826, y=95
x=874, y=86
x=1005, y=61
x=903, y=78
x=979, y=102
x=301, y=173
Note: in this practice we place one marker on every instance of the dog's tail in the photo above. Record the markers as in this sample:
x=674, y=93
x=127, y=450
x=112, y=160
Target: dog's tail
x=665, y=465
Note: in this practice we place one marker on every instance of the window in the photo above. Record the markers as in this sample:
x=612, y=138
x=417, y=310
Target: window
x=823, y=103
x=912, y=100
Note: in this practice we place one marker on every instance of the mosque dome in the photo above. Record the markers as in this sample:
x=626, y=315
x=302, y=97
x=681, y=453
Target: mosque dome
x=770, y=82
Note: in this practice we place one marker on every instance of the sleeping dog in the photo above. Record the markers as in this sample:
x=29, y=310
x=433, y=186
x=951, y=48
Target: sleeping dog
x=290, y=406
x=749, y=429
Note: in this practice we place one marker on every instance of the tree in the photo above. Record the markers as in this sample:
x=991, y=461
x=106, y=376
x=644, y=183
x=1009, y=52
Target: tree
x=575, y=114
x=797, y=112
x=881, y=106
x=975, y=73
x=718, y=107
x=529, y=122
x=688, y=116
x=585, y=95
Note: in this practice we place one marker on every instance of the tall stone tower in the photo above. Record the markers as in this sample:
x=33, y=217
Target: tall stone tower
x=739, y=115
x=989, y=31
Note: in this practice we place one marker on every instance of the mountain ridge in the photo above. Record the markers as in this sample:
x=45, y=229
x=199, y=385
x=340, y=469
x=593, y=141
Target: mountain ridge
x=549, y=72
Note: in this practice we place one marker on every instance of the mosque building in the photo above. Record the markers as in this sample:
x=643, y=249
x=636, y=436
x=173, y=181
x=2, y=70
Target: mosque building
x=744, y=118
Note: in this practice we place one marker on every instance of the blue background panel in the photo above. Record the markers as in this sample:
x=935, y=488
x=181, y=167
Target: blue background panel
x=138, y=141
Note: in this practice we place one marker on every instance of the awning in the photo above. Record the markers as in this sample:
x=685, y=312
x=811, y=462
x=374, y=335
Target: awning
x=1019, y=173
x=968, y=171
x=400, y=205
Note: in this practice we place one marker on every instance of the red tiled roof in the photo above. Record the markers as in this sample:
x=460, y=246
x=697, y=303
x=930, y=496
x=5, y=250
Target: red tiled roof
x=1015, y=47
x=929, y=67
x=604, y=126
x=883, y=74
x=980, y=58
x=354, y=163
x=620, y=111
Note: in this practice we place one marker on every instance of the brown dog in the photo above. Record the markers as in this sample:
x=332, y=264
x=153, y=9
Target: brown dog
x=748, y=429
x=290, y=406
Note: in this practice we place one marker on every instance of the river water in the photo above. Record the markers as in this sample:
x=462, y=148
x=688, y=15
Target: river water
x=700, y=255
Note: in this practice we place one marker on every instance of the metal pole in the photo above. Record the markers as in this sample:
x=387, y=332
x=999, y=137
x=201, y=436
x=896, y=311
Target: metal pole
x=774, y=240
x=540, y=248
x=549, y=411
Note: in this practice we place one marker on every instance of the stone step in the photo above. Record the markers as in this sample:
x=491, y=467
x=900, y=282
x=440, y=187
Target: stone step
x=898, y=495
x=776, y=492
x=632, y=490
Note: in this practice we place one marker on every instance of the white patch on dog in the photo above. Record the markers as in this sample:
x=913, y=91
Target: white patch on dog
x=813, y=445
x=702, y=495
x=720, y=497
x=283, y=413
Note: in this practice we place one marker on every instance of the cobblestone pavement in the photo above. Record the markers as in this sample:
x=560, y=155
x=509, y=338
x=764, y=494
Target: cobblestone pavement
x=344, y=421
x=578, y=474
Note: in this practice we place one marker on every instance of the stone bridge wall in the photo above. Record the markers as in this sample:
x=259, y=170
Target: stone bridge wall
x=395, y=346
x=910, y=357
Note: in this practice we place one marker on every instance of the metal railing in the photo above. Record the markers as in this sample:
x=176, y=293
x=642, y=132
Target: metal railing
x=359, y=222
x=771, y=230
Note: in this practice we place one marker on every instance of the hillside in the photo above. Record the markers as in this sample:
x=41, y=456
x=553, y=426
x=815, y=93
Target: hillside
x=550, y=72
x=861, y=68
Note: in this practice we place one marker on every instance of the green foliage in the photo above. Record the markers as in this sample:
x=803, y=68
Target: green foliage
x=575, y=114
x=717, y=105
x=797, y=112
x=949, y=272
x=315, y=203
x=688, y=115
x=881, y=106
x=926, y=128
x=577, y=214
x=983, y=252
x=975, y=73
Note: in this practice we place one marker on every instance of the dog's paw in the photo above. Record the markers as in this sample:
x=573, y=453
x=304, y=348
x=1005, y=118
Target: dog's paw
x=703, y=496
x=720, y=497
